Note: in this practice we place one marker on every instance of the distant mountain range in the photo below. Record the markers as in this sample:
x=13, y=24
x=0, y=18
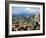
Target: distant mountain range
x=23, y=14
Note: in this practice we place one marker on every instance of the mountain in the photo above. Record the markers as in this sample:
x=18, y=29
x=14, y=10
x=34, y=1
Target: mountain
x=23, y=14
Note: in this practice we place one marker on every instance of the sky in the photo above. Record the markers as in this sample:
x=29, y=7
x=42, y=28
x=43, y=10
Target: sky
x=25, y=10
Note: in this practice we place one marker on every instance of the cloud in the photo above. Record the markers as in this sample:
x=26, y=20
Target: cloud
x=21, y=10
